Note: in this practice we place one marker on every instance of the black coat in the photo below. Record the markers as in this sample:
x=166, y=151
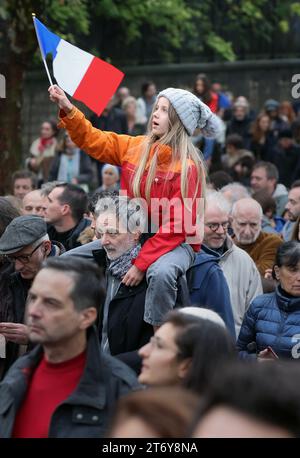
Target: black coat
x=72, y=240
x=287, y=161
x=86, y=412
x=127, y=331
x=13, y=293
x=13, y=297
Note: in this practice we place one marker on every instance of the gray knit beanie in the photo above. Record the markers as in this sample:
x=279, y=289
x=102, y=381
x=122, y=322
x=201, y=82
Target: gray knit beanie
x=192, y=112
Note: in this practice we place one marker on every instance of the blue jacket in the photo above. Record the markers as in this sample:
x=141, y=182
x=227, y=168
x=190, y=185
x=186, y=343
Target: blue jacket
x=271, y=320
x=208, y=288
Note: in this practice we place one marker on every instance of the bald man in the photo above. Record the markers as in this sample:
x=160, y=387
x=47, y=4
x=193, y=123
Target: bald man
x=33, y=204
x=246, y=224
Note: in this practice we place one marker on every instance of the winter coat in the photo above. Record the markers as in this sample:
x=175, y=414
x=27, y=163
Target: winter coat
x=208, y=288
x=72, y=241
x=272, y=320
x=126, y=329
x=13, y=296
x=85, y=413
x=242, y=277
x=263, y=250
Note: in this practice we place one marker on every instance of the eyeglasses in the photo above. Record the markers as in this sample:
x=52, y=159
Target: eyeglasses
x=215, y=226
x=24, y=259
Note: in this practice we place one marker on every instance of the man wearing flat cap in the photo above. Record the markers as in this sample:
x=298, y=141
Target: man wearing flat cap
x=26, y=244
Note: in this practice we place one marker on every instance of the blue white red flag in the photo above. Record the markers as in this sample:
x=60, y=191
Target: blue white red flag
x=82, y=75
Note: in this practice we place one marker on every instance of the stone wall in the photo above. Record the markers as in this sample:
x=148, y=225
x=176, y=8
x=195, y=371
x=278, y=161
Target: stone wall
x=257, y=80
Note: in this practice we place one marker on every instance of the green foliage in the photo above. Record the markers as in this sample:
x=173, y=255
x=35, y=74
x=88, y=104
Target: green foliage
x=221, y=47
x=162, y=29
x=295, y=8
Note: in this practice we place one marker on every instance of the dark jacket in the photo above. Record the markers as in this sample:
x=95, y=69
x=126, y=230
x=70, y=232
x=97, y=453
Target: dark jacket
x=85, y=413
x=208, y=288
x=85, y=168
x=72, y=239
x=287, y=162
x=115, y=121
x=126, y=328
x=13, y=296
x=17, y=290
x=271, y=320
x=241, y=128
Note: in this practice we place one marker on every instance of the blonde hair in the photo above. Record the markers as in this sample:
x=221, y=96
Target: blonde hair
x=183, y=150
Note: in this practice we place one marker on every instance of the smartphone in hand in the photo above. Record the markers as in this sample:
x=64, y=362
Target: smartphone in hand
x=272, y=352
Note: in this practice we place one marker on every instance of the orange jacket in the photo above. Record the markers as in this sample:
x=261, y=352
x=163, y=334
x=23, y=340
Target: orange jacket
x=125, y=151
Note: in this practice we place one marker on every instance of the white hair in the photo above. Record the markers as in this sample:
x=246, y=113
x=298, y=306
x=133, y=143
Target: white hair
x=251, y=201
x=237, y=191
x=206, y=314
x=217, y=198
x=129, y=212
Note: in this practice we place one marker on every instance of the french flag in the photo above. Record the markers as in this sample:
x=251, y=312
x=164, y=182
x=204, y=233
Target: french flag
x=82, y=75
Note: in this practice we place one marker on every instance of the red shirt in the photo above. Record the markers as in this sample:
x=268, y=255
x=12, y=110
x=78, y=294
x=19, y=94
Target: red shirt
x=50, y=385
x=214, y=102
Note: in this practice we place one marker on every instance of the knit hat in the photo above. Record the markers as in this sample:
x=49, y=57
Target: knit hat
x=192, y=112
x=271, y=105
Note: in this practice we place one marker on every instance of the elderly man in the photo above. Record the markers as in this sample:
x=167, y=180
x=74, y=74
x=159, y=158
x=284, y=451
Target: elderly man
x=240, y=271
x=123, y=329
x=33, y=204
x=25, y=243
x=246, y=223
x=66, y=371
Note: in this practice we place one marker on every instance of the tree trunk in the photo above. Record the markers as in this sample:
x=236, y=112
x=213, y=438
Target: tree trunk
x=10, y=121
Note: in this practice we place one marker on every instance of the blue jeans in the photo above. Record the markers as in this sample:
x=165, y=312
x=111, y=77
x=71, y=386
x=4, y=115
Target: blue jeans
x=162, y=282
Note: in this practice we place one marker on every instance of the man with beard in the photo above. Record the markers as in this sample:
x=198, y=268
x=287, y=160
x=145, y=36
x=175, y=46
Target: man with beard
x=246, y=224
x=293, y=210
x=122, y=328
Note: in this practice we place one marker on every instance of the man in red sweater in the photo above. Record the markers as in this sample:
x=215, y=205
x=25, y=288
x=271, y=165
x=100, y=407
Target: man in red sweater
x=64, y=387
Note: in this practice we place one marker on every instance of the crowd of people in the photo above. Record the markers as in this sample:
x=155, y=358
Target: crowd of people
x=150, y=270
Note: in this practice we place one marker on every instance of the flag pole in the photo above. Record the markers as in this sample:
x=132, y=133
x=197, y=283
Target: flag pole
x=42, y=54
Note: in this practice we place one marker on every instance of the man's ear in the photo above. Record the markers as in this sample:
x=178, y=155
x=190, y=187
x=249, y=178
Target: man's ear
x=88, y=317
x=47, y=247
x=65, y=209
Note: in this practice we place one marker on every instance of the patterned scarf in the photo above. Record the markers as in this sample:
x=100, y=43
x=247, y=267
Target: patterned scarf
x=120, y=266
